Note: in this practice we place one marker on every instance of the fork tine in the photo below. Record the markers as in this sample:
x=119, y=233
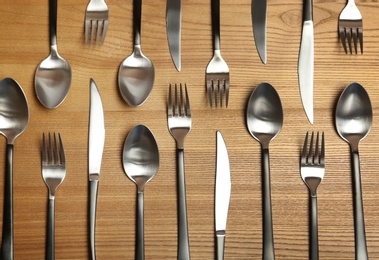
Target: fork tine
x=214, y=87
x=226, y=92
x=86, y=28
x=61, y=154
x=187, y=102
x=322, y=156
x=221, y=89
x=316, y=157
x=49, y=151
x=104, y=31
x=348, y=36
x=43, y=149
x=55, y=149
x=99, y=28
x=360, y=36
x=209, y=91
x=176, y=109
x=93, y=27
x=354, y=32
x=310, y=155
x=169, y=103
x=181, y=101
x=304, y=153
x=342, y=37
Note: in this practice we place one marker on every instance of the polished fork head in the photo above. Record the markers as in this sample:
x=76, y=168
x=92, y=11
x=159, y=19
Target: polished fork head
x=53, y=161
x=173, y=110
x=96, y=22
x=350, y=27
x=313, y=156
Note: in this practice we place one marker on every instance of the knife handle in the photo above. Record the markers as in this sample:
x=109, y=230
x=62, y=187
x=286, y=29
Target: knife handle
x=137, y=9
x=183, y=243
x=220, y=236
x=216, y=24
x=93, y=188
x=268, y=234
x=308, y=13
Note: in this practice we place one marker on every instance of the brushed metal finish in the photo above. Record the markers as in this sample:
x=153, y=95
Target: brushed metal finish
x=52, y=79
x=174, y=25
x=140, y=158
x=264, y=122
x=259, y=18
x=96, y=133
x=306, y=68
x=136, y=73
x=353, y=124
x=96, y=141
x=222, y=194
x=14, y=113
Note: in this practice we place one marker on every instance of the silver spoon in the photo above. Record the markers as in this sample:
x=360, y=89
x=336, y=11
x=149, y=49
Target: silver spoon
x=353, y=123
x=264, y=121
x=136, y=73
x=14, y=113
x=52, y=80
x=141, y=163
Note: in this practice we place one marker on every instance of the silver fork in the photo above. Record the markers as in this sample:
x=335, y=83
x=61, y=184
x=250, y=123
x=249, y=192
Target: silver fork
x=97, y=15
x=179, y=125
x=312, y=167
x=217, y=73
x=53, y=173
x=350, y=26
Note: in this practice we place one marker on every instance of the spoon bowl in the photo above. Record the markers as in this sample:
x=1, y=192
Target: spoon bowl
x=52, y=80
x=141, y=163
x=353, y=123
x=14, y=118
x=264, y=122
x=354, y=114
x=136, y=78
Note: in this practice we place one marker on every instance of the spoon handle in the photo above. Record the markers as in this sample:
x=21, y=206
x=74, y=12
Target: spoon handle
x=137, y=9
x=359, y=223
x=7, y=242
x=268, y=234
x=183, y=243
x=216, y=24
x=140, y=245
x=53, y=10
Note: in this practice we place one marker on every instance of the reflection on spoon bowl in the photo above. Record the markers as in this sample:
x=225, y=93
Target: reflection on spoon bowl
x=52, y=80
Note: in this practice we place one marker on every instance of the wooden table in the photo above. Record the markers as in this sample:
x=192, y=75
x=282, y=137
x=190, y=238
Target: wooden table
x=24, y=42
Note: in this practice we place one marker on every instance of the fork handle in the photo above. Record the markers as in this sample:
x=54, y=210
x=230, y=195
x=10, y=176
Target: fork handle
x=183, y=243
x=53, y=10
x=268, y=234
x=216, y=24
x=93, y=188
x=50, y=241
x=359, y=222
x=308, y=13
x=314, y=229
x=137, y=10
x=7, y=242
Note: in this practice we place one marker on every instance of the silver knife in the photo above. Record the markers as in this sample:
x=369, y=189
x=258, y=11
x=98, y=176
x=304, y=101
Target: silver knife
x=174, y=24
x=95, y=154
x=258, y=15
x=306, y=61
x=223, y=188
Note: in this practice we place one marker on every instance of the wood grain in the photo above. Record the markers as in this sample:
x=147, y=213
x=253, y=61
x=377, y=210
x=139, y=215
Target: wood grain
x=24, y=42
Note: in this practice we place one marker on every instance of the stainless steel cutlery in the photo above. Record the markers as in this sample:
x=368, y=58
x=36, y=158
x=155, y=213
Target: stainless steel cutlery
x=312, y=168
x=53, y=173
x=350, y=27
x=179, y=125
x=174, y=27
x=222, y=195
x=259, y=17
x=217, y=72
x=96, y=141
x=306, y=60
x=96, y=22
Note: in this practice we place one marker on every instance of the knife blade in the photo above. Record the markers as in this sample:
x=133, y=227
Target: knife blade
x=222, y=194
x=306, y=61
x=258, y=16
x=173, y=24
x=95, y=153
